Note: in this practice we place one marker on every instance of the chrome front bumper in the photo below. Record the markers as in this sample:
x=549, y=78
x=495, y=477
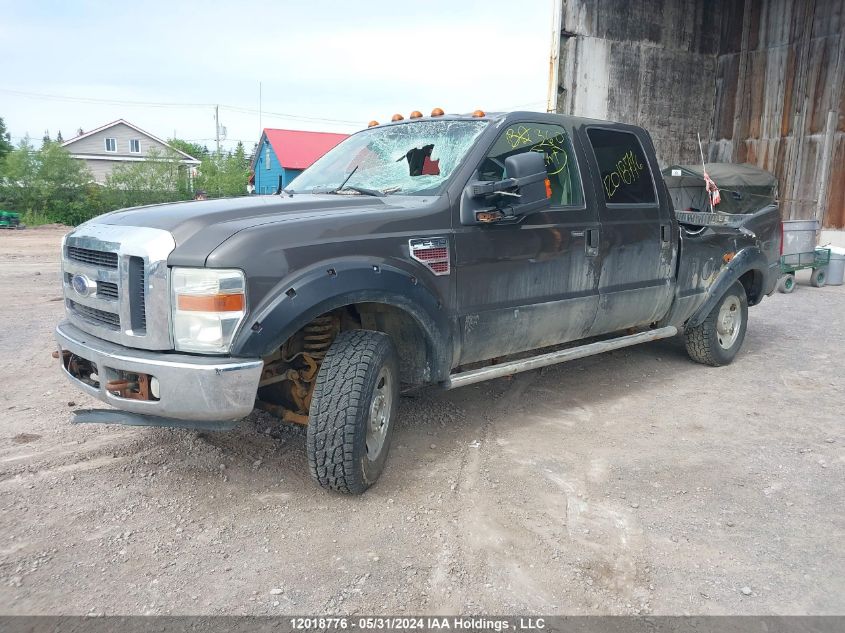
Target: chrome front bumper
x=195, y=388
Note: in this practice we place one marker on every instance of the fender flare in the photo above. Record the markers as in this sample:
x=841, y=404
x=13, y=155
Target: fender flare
x=296, y=301
x=750, y=258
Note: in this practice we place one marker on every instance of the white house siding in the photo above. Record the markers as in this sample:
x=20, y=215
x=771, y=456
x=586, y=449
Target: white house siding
x=100, y=169
x=96, y=143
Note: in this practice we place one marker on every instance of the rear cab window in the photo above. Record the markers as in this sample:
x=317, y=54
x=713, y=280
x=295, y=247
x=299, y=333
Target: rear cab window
x=550, y=140
x=625, y=174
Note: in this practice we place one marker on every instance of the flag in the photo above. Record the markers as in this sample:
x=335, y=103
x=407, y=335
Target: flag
x=712, y=190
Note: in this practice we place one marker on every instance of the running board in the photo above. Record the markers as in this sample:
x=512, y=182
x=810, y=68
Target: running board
x=552, y=358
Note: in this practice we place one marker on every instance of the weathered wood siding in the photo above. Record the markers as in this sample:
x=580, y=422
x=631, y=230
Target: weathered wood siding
x=760, y=80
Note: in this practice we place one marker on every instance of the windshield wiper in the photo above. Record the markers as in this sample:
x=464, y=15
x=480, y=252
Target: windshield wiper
x=345, y=180
x=364, y=190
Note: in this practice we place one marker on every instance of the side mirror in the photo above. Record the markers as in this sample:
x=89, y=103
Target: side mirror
x=523, y=192
x=529, y=171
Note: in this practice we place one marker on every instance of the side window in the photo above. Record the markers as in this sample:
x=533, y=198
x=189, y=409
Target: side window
x=550, y=140
x=625, y=175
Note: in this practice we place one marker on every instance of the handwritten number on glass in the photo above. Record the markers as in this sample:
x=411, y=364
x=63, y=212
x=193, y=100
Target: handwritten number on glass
x=628, y=170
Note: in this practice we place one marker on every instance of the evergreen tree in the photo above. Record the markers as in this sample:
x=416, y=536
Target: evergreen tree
x=5, y=140
x=59, y=138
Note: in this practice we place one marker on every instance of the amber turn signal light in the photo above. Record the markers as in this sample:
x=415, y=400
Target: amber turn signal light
x=548, y=187
x=397, y=117
x=372, y=123
x=478, y=113
x=437, y=112
x=416, y=114
x=728, y=257
x=210, y=303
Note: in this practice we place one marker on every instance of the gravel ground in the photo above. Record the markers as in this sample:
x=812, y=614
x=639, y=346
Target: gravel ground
x=634, y=482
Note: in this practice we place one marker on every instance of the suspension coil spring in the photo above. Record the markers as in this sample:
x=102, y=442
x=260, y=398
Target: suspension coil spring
x=319, y=335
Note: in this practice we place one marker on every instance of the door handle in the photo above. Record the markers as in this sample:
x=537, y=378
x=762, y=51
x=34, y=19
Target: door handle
x=665, y=233
x=591, y=244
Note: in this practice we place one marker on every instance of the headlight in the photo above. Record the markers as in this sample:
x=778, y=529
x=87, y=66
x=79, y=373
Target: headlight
x=208, y=305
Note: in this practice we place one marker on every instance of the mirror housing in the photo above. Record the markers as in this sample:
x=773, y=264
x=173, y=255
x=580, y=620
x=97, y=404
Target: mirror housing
x=524, y=192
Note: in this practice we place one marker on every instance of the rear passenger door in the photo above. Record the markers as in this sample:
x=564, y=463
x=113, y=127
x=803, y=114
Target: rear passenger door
x=637, y=253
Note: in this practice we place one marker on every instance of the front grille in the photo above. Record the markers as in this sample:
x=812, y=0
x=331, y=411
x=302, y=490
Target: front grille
x=106, y=290
x=104, y=259
x=138, y=308
x=100, y=317
x=131, y=305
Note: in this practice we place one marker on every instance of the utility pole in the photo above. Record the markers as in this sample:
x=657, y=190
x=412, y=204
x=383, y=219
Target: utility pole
x=554, y=56
x=217, y=127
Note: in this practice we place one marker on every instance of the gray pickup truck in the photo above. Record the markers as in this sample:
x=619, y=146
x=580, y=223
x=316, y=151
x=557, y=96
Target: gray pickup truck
x=440, y=250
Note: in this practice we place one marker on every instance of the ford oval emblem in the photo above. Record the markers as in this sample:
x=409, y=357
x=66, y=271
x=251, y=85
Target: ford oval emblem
x=82, y=285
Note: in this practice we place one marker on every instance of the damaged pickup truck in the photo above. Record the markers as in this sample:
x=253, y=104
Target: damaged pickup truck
x=441, y=250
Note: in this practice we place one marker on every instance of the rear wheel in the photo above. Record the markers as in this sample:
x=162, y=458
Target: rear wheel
x=787, y=283
x=719, y=337
x=819, y=277
x=352, y=410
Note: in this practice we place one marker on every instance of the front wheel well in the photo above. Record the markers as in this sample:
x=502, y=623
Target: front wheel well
x=416, y=352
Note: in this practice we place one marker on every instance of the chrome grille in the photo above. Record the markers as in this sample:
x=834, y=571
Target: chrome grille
x=125, y=271
x=103, y=259
x=107, y=290
x=109, y=319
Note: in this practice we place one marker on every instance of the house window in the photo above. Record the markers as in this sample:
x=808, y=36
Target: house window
x=266, y=158
x=134, y=146
x=111, y=144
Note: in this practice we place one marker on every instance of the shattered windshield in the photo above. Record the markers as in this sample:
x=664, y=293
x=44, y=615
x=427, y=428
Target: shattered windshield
x=410, y=158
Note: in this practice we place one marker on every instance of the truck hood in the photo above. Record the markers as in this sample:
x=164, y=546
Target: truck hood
x=199, y=227
x=217, y=220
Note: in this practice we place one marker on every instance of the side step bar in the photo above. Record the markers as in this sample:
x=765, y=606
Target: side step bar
x=552, y=358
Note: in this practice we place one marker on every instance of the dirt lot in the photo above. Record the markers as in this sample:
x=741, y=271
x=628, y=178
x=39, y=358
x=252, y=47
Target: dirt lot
x=635, y=482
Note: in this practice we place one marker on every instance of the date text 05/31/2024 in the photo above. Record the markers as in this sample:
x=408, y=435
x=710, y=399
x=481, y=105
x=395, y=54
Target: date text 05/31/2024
x=419, y=623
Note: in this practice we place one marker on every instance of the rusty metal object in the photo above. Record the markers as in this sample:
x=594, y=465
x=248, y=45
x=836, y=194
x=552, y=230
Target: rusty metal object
x=64, y=355
x=319, y=334
x=295, y=384
x=119, y=385
x=132, y=390
x=281, y=412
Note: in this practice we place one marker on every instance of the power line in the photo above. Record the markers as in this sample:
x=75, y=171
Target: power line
x=164, y=104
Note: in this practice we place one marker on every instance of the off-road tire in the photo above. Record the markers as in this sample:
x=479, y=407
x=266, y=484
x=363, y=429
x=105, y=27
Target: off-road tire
x=703, y=340
x=819, y=277
x=339, y=417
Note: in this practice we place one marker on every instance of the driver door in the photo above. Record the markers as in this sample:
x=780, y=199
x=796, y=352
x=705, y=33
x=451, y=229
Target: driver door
x=531, y=282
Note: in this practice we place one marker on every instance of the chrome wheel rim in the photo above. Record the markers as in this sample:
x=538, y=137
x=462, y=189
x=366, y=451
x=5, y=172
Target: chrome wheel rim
x=379, y=421
x=728, y=322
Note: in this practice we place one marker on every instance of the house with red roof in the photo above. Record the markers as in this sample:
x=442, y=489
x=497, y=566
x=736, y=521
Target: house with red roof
x=283, y=154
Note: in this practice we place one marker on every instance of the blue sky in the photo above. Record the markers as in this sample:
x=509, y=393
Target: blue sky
x=340, y=63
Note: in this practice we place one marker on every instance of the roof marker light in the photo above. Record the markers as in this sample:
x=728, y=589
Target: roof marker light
x=437, y=112
x=372, y=123
x=478, y=113
x=416, y=114
x=397, y=117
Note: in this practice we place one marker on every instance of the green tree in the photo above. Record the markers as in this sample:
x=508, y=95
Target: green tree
x=224, y=174
x=161, y=177
x=45, y=184
x=59, y=138
x=5, y=140
x=192, y=149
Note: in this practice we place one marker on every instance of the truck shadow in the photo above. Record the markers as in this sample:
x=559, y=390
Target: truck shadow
x=435, y=427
